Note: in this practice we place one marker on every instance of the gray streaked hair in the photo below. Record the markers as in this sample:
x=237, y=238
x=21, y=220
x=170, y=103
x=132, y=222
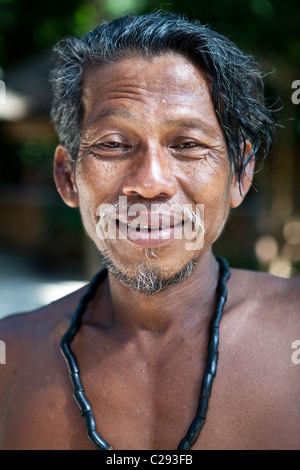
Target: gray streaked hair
x=237, y=85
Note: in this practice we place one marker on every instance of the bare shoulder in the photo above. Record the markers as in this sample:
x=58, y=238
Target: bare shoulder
x=33, y=374
x=267, y=308
x=270, y=294
x=29, y=337
x=264, y=319
x=260, y=356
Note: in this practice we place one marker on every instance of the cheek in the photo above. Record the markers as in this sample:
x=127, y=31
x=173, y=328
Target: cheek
x=99, y=179
x=207, y=183
x=97, y=184
x=210, y=187
x=216, y=212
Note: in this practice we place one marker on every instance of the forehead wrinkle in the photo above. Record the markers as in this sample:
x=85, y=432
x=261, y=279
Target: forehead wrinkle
x=127, y=92
x=115, y=112
x=114, y=84
x=127, y=85
x=106, y=113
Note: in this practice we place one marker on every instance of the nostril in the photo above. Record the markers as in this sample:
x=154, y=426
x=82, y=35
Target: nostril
x=130, y=193
x=157, y=188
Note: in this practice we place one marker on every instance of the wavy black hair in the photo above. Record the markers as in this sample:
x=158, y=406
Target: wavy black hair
x=237, y=84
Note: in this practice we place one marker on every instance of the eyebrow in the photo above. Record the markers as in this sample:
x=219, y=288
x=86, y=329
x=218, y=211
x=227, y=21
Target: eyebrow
x=187, y=123
x=115, y=112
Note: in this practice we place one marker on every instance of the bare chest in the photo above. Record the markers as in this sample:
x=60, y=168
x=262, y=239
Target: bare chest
x=136, y=408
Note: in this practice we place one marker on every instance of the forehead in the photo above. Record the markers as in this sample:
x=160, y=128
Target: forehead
x=157, y=68
x=167, y=83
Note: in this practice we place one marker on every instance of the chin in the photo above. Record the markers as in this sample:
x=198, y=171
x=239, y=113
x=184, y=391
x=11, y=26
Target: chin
x=149, y=276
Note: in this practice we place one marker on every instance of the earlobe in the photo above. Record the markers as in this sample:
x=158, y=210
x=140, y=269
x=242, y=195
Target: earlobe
x=64, y=177
x=239, y=188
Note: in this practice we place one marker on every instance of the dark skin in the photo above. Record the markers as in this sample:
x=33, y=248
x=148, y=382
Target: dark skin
x=150, y=132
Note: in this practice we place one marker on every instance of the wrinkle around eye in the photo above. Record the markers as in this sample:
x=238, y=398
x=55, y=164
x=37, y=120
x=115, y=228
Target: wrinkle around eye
x=104, y=151
x=189, y=149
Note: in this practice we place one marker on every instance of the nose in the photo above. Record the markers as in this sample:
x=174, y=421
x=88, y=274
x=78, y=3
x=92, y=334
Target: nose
x=150, y=176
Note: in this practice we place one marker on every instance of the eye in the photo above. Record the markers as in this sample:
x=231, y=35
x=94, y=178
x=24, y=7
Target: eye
x=188, y=145
x=112, y=145
x=188, y=148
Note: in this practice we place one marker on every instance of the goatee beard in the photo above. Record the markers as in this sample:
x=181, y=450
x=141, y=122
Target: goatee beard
x=145, y=277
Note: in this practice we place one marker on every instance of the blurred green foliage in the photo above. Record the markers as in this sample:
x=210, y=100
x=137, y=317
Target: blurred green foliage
x=267, y=27
x=28, y=27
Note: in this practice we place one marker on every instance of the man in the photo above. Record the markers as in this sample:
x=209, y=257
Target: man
x=159, y=121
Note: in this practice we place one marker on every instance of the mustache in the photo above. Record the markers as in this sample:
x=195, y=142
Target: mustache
x=165, y=211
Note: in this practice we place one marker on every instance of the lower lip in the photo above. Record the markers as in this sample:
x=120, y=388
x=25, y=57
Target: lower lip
x=149, y=238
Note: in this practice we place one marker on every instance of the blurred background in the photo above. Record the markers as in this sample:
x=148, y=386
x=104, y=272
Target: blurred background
x=44, y=252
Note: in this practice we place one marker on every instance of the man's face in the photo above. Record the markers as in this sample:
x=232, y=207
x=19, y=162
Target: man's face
x=150, y=136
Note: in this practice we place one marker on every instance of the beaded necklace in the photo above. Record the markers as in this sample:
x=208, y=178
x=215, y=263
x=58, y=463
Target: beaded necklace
x=208, y=377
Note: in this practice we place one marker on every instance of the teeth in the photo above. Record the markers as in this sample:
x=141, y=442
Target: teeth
x=147, y=227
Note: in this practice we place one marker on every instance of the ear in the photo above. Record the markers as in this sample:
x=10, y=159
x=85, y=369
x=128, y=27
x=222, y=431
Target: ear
x=238, y=191
x=64, y=177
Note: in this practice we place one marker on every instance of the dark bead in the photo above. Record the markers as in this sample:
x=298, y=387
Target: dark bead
x=202, y=407
x=72, y=364
x=206, y=385
x=184, y=445
x=221, y=303
x=64, y=345
x=215, y=321
x=211, y=363
x=194, y=430
x=75, y=325
x=220, y=288
x=76, y=382
x=90, y=421
x=97, y=441
x=213, y=339
x=82, y=402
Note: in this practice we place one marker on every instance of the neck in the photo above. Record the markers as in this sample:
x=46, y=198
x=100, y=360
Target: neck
x=181, y=306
